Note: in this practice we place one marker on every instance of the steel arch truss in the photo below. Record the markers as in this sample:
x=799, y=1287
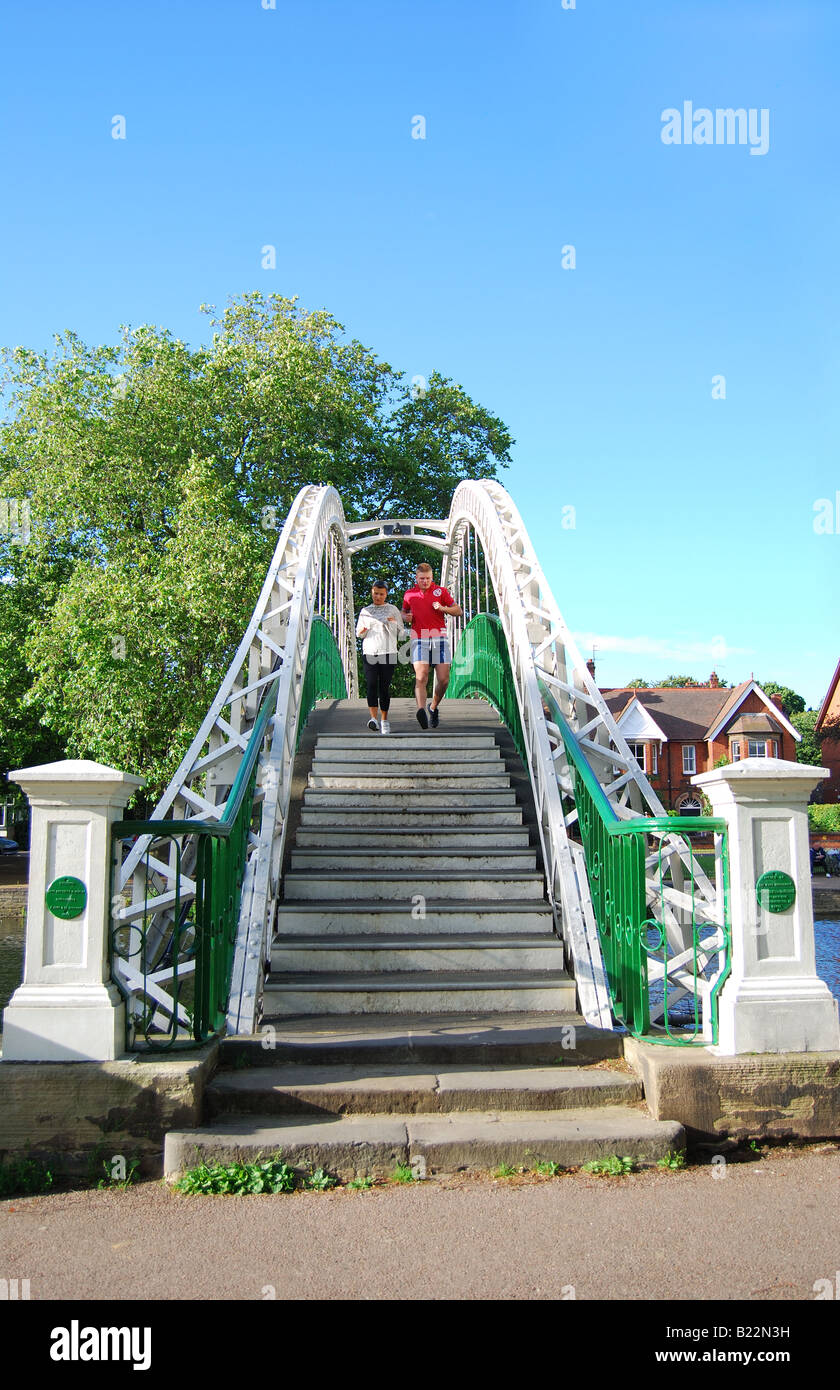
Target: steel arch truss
x=309, y=576
x=489, y=553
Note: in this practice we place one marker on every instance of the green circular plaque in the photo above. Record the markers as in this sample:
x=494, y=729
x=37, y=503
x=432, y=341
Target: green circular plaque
x=66, y=897
x=776, y=891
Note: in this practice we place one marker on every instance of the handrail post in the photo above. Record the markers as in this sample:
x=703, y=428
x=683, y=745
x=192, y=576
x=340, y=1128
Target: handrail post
x=773, y=1000
x=67, y=1008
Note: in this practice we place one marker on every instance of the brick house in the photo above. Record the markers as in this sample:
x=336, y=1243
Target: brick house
x=677, y=731
x=827, y=728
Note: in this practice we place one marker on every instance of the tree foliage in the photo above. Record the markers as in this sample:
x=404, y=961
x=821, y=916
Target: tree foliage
x=810, y=749
x=791, y=702
x=150, y=468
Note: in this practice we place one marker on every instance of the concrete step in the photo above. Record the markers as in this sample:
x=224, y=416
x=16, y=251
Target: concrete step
x=388, y=839
x=383, y=753
x=369, y=954
x=322, y=813
x=445, y=745
x=354, y=1146
x=419, y=1041
x=311, y=885
x=378, y=856
x=356, y=1090
x=441, y=918
x=398, y=992
x=407, y=799
x=404, y=777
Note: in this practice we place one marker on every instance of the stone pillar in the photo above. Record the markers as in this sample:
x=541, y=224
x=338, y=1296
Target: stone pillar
x=67, y=1009
x=772, y=1000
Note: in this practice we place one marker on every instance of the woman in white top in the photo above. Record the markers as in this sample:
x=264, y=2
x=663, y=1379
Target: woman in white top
x=379, y=626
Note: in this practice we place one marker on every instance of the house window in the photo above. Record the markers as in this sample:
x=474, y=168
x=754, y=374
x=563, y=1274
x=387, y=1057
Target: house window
x=689, y=758
x=654, y=761
x=638, y=751
x=689, y=806
x=762, y=748
x=736, y=750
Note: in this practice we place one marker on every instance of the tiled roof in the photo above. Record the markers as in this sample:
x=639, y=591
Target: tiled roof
x=684, y=713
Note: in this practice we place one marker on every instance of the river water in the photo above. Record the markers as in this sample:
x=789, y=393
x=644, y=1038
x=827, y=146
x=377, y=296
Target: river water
x=827, y=932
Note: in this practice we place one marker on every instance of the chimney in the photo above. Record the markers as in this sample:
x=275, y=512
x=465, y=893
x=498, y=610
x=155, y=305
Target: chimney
x=590, y=666
x=713, y=681
x=777, y=701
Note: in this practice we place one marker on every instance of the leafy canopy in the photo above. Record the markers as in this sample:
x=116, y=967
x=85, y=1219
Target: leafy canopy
x=155, y=474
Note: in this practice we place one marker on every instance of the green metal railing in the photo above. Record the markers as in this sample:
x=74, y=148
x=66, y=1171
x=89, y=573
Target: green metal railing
x=181, y=951
x=687, y=957
x=481, y=669
x=656, y=955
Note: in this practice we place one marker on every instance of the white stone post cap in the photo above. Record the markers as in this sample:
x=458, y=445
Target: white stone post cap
x=77, y=772
x=752, y=770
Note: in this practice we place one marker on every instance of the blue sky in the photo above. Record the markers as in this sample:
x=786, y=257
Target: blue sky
x=694, y=545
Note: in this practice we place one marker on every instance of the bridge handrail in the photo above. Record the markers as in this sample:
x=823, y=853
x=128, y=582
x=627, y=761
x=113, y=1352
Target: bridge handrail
x=261, y=696
x=628, y=934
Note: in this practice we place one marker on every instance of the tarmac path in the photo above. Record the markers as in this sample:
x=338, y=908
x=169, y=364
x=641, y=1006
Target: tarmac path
x=768, y=1230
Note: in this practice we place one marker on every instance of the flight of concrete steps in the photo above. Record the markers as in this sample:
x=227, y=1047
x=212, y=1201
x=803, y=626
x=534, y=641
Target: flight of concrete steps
x=418, y=1010
x=412, y=885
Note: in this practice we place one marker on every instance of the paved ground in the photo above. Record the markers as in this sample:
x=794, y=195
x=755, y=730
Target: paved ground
x=768, y=1230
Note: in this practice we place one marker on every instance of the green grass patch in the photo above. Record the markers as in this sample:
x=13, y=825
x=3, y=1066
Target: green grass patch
x=547, y=1168
x=238, y=1179
x=361, y=1184
x=403, y=1173
x=613, y=1167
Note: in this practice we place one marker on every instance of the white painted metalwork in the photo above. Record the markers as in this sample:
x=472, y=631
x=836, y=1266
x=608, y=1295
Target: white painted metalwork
x=309, y=575
x=542, y=649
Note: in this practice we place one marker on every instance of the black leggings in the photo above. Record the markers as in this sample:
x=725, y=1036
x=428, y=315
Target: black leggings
x=378, y=677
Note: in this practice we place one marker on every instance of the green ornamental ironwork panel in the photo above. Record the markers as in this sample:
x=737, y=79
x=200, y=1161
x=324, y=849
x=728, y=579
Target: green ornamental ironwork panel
x=481, y=669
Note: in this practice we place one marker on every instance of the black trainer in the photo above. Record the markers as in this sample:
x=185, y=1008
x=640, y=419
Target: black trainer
x=434, y=717
x=422, y=719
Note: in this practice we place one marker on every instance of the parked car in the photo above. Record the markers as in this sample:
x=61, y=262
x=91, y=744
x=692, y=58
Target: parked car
x=8, y=846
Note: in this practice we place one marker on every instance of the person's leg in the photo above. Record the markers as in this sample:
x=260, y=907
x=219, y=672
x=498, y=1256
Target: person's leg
x=386, y=675
x=442, y=670
x=443, y=665
x=372, y=687
x=421, y=682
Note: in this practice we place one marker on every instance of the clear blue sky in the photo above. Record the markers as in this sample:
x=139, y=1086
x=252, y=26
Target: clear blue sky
x=694, y=544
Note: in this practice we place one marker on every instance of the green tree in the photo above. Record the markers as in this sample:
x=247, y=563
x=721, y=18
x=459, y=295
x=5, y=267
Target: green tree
x=810, y=749
x=150, y=468
x=791, y=702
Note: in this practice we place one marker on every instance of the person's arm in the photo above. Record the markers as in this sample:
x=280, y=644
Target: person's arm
x=362, y=625
x=451, y=609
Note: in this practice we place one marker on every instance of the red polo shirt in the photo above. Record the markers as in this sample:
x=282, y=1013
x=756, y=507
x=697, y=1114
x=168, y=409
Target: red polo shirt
x=426, y=621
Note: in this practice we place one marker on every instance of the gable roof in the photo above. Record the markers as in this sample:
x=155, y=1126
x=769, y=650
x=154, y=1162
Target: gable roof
x=691, y=713
x=829, y=696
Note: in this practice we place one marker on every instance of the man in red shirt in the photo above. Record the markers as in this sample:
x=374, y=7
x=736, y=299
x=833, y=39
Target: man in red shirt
x=428, y=605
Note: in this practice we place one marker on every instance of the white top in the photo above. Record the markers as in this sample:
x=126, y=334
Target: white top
x=378, y=630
